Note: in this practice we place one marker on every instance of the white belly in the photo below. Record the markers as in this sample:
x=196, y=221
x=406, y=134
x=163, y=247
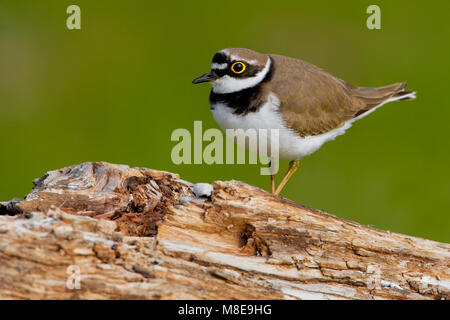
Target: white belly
x=291, y=146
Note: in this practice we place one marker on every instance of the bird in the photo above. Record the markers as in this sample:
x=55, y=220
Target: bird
x=307, y=105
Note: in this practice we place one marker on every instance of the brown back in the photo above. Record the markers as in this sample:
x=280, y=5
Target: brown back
x=313, y=101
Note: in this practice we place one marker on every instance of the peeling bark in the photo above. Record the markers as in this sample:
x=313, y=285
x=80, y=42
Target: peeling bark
x=137, y=233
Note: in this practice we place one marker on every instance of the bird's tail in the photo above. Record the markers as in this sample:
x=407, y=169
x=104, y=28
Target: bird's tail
x=374, y=97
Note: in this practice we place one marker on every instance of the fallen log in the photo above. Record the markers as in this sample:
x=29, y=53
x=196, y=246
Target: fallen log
x=104, y=231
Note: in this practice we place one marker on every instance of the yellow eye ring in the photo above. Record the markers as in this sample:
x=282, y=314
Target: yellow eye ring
x=239, y=65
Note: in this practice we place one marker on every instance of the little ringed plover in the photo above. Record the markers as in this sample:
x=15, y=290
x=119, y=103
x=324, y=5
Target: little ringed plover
x=308, y=106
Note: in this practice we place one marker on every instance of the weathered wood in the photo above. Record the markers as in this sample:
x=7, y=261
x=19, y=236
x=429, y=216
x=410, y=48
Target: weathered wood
x=140, y=233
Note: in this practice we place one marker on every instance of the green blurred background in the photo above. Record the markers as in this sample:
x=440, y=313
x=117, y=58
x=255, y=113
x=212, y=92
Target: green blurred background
x=116, y=89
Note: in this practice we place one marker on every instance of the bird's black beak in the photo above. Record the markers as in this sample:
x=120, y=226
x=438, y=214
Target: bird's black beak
x=207, y=77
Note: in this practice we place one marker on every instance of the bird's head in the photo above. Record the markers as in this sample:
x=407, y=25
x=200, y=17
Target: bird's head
x=236, y=69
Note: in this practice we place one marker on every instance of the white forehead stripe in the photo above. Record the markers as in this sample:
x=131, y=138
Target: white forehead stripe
x=218, y=66
x=227, y=84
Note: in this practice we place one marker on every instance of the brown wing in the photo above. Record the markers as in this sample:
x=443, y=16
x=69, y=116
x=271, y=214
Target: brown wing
x=313, y=101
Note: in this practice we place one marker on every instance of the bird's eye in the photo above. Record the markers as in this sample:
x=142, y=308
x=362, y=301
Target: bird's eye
x=238, y=67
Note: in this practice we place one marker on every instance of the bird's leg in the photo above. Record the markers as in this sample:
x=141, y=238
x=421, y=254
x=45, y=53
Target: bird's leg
x=272, y=176
x=293, y=166
x=272, y=182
